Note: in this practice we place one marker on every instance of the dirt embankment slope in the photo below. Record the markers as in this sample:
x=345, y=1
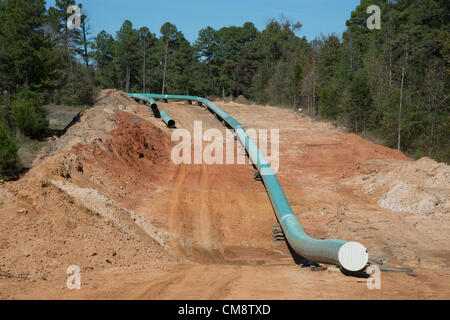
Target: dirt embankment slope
x=107, y=197
x=54, y=216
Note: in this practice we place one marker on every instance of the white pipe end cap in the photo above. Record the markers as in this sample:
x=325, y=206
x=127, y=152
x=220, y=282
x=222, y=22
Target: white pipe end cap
x=353, y=256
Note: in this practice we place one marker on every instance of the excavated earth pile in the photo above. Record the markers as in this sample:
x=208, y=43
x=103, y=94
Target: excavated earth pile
x=106, y=197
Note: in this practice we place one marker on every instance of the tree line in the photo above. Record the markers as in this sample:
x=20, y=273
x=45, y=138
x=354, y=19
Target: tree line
x=391, y=83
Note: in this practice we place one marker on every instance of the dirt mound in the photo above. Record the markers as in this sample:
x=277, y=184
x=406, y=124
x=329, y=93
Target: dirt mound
x=135, y=147
x=45, y=230
x=93, y=124
x=422, y=186
x=241, y=99
x=55, y=216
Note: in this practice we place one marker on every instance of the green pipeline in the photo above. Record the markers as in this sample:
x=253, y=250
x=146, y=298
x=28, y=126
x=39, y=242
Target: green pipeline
x=167, y=120
x=151, y=101
x=350, y=255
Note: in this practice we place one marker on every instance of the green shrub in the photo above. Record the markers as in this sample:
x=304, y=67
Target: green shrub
x=418, y=154
x=29, y=115
x=329, y=101
x=9, y=161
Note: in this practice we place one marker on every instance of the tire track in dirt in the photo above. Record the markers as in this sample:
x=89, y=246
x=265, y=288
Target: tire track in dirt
x=216, y=284
x=157, y=289
x=203, y=233
x=176, y=212
x=193, y=220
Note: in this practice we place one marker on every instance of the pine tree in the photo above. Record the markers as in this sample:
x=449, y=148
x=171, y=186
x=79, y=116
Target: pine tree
x=102, y=53
x=358, y=102
x=169, y=34
x=126, y=53
x=147, y=41
x=27, y=58
x=206, y=47
x=9, y=160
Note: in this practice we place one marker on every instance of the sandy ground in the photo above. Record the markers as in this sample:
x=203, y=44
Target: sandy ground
x=107, y=198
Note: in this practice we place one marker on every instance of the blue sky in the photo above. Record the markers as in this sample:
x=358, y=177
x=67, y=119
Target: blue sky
x=317, y=16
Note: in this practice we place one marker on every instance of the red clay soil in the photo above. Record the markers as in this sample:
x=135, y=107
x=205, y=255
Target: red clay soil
x=107, y=197
x=136, y=155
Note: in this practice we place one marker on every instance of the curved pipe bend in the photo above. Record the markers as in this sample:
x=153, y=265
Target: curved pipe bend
x=350, y=255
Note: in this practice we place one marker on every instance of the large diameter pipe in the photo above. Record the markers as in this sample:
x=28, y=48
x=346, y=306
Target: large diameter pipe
x=153, y=104
x=167, y=120
x=350, y=255
x=151, y=101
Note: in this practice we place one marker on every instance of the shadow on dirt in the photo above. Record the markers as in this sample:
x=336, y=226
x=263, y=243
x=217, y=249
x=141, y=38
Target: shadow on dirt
x=305, y=263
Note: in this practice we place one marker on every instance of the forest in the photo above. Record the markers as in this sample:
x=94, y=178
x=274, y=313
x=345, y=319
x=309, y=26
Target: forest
x=391, y=83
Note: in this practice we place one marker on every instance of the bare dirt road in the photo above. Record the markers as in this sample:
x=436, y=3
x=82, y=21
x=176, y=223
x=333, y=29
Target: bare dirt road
x=107, y=198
